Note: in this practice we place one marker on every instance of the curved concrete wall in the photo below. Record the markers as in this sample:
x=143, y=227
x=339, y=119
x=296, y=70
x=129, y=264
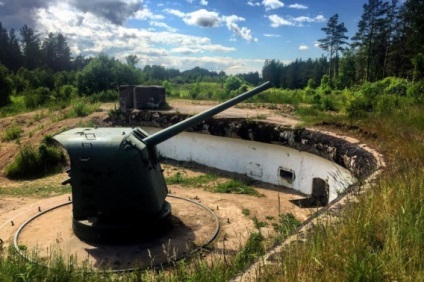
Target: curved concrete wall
x=269, y=163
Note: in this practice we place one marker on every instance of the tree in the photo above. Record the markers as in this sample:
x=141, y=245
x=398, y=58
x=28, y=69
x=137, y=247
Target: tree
x=14, y=55
x=56, y=52
x=270, y=72
x=5, y=86
x=132, y=60
x=333, y=42
x=346, y=75
x=371, y=38
x=4, y=41
x=232, y=83
x=30, y=47
x=105, y=73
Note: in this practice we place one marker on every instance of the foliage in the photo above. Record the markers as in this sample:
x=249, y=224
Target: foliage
x=5, y=86
x=32, y=162
x=416, y=91
x=286, y=224
x=13, y=132
x=105, y=73
x=235, y=187
x=334, y=40
x=232, y=83
x=37, y=97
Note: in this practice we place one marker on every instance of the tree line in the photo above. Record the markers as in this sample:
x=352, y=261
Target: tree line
x=389, y=42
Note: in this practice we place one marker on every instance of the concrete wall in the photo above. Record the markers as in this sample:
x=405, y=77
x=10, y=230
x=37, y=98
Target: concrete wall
x=260, y=161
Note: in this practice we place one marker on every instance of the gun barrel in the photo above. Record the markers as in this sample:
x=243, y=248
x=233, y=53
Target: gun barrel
x=169, y=132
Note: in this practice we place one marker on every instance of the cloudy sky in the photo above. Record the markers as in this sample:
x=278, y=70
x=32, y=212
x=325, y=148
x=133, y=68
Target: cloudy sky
x=235, y=36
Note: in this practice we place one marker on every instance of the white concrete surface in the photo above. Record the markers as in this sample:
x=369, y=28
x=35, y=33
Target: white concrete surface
x=257, y=160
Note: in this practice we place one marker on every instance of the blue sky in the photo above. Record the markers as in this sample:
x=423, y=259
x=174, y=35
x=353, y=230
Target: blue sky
x=235, y=36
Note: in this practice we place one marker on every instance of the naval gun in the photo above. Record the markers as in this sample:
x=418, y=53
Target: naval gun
x=118, y=188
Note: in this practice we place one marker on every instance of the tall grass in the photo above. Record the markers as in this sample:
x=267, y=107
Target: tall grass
x=34, y=162
x=380, y=238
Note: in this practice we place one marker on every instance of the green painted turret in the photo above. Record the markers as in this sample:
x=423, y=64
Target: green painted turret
x=118, y=189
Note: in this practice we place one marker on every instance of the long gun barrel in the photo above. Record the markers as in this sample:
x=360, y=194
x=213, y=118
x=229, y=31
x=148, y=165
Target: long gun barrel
x=169, y=132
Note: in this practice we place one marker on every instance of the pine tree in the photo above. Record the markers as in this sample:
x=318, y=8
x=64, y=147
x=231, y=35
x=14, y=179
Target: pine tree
x=370, y=40
x=30, y=47
x=333, y=42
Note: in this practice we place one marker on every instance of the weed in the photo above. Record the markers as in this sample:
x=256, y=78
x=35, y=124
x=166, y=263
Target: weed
x=245, y=212
x=286, y=224
x=12, y=133
x=259, y=224
x=32, y=162
x=235, y=187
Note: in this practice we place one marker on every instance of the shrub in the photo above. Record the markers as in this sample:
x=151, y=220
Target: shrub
x=328, y=104
x=32, y=162
x=37, y=97
x=104, y=96
x=396, y=86
x=67, y=92
x=12, y=133
x=358, y=105
x=416, y=91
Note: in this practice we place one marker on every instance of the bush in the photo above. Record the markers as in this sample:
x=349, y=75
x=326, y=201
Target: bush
x=12, y=133
x=67, y=92
x=5, y=87
x=328, y=104
x=396, y=86
x=104, y=96
x=37, y=97
x=416, y=91
x=32, y=162
x=358, y=105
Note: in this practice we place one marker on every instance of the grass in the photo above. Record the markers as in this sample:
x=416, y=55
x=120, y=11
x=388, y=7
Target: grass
x=210, y=183
x=34, y=162
x=35, y=190
x=13, y=132
x=378, y=238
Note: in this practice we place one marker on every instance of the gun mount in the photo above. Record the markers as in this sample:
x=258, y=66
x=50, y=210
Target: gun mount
x=118, y=189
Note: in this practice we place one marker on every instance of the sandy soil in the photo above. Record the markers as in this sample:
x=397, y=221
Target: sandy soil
x=48, y=231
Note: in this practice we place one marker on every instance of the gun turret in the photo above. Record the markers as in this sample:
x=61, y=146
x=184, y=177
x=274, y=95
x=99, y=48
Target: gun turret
x=118, y=189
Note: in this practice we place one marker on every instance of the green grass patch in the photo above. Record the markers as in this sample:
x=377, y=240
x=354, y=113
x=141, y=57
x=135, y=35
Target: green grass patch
x=13, y=132
x=35, y=190
x=235, y=187
x=34, y=162
x=197, y=181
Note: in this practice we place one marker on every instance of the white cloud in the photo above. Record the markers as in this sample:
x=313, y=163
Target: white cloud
x=316, y=43
x=89, y=34
x=186, y=50
x=272, y=4
x=272, y=35
x=277, y=21
x=163, y=25
x=203, y=2
x=242, y=32
x=145, y=14
x=253, y=4
x=303, y=47
x=319, y=18
x=175, y=12
x=202, y=18
x=298, y=6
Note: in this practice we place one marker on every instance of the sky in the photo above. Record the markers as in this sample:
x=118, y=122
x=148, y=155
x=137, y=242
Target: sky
x=235, y=36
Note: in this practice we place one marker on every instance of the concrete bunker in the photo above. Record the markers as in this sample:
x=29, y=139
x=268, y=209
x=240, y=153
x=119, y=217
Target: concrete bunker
x=319, y=165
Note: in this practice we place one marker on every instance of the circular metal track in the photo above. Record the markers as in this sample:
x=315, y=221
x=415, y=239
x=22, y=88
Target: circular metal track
x=193, y=228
